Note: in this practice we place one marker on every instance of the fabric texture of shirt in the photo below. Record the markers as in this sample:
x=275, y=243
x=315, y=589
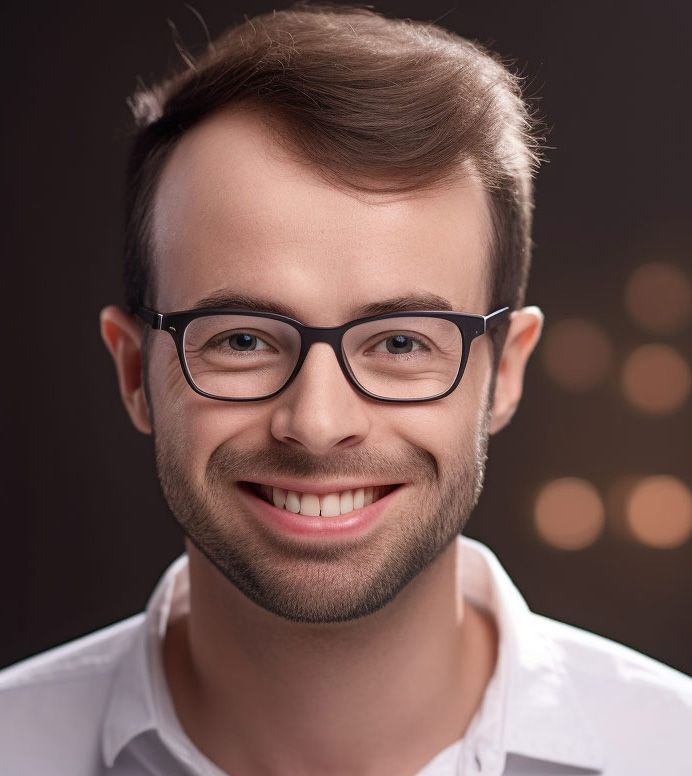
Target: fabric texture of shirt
x=562, y=700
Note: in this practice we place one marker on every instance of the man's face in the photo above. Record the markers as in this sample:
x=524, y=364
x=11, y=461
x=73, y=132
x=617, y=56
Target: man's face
x=235, y=213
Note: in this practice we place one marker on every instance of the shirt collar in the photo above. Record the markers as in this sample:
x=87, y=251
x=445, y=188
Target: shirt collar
x=139, y=700
x=531, y=706
x=532, y=698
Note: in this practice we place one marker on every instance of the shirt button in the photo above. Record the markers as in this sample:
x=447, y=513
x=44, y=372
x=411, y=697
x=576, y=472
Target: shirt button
x=477, y=761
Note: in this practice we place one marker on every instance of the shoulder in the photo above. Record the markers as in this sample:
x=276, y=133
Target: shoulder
x=75, y=660
x=592, y=655
x=639, y=707
x=51, y=704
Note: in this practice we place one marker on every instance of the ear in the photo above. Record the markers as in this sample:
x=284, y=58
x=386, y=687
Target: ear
x=122, y=335
x=524, y=332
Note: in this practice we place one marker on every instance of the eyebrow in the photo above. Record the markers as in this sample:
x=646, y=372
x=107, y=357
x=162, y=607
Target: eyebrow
x=234, y=301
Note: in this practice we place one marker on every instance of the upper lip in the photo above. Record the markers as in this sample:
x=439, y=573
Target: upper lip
x=320, y=488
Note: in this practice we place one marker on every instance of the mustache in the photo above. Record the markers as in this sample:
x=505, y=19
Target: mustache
x=228, y=463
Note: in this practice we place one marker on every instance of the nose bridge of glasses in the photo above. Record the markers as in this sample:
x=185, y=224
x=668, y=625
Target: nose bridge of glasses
x=329, y=335
x=320, y=369
x=327, y=338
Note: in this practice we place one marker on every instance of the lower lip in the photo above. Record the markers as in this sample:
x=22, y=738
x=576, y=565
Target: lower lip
x=349, y=526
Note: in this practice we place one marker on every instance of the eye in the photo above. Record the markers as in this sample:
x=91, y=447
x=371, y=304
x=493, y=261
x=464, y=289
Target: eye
x=243, y=341
x=240, y=341
x=399, y=343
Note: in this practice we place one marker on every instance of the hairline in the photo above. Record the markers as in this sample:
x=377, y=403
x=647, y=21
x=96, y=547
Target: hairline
x=281, y=134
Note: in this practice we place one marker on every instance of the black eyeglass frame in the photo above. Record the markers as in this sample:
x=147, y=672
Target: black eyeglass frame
x=470, y=325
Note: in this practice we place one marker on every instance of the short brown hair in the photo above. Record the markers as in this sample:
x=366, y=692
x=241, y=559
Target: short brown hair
x=373, y=103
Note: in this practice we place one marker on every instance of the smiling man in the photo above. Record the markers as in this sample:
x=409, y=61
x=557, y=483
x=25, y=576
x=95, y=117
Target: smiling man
x=328, y=244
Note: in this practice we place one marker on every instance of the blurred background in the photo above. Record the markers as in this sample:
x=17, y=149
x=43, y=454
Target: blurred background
x=587, y=500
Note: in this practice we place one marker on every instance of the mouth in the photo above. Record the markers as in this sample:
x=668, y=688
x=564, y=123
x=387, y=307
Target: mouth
x=323, y=505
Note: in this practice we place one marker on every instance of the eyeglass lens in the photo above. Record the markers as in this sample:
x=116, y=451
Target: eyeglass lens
x=246, y=357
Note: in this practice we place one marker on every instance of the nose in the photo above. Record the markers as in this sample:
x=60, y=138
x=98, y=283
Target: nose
x=320, y=409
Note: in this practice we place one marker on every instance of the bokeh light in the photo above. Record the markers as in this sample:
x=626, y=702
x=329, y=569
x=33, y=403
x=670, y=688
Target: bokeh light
x=658, y=297
x=569, y=513
x=616, y=499
x=656, y=379
x=659, y=511
x=576, y=354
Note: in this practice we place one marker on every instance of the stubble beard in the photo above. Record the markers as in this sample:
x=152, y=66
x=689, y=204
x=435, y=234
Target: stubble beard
x=328, y=583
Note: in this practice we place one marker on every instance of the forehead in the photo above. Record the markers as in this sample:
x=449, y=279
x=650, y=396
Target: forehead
x=234, y=212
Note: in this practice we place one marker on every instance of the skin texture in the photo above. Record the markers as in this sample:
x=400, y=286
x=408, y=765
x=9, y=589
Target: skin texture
x=355, y=659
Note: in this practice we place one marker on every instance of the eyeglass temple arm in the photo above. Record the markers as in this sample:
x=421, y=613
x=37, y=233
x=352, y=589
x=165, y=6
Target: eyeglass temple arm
x=495, y=319
x=154, y=319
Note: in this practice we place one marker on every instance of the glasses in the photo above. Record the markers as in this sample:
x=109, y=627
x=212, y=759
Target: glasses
x=235, y=355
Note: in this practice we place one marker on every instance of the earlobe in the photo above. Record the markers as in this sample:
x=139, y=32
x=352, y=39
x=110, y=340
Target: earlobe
x=122, y=336
x=523, y=335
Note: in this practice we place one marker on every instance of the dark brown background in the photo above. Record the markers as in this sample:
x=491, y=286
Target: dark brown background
x=86, y=533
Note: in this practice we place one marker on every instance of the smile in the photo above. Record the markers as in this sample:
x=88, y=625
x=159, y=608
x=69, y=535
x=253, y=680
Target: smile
x=324, y=505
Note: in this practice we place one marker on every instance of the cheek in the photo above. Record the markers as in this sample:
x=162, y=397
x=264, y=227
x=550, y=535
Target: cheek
x=192, y=427
x=440, y=427
x=449, y=429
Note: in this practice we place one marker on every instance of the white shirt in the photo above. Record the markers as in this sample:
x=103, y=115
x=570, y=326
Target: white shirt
x=562, y=700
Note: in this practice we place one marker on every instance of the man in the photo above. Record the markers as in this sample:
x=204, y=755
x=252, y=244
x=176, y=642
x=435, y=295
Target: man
x=328, y=227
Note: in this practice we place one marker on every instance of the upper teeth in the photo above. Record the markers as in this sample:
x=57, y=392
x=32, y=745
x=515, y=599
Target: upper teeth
x=329, y=505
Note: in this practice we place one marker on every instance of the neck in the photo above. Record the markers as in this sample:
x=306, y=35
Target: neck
x=381, y=694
